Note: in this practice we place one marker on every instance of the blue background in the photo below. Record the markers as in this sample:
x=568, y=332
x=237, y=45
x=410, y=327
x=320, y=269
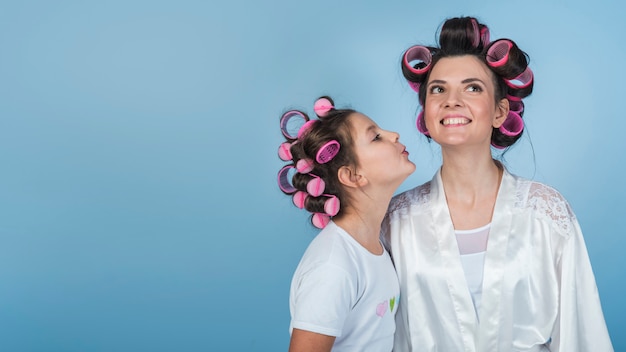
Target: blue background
x=138, y=204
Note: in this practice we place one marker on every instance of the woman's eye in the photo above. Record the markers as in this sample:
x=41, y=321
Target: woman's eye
x=377, y=137
x=436, y=89
x=474, y=88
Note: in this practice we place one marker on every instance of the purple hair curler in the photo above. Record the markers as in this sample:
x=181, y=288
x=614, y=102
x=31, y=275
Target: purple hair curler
x=285, y=175
x=288, y=123
x=327, y=152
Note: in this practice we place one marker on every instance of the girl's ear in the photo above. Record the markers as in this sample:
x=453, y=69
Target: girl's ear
x=349, y=178
x=502, y=111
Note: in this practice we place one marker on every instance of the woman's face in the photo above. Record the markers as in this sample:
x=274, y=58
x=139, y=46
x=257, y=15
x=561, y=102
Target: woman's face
x=460, y=107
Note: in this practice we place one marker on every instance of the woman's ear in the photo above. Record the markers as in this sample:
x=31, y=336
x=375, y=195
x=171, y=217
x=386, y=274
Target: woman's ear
x=502, y=111
x=349, y=178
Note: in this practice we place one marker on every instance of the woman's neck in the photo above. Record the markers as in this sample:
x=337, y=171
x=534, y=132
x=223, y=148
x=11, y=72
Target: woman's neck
x=471, y=191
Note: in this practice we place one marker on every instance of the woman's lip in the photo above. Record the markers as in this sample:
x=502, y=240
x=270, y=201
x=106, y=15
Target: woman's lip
x=455, y=121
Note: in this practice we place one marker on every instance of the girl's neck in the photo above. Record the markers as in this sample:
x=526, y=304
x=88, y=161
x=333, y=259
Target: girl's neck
x=364, y=223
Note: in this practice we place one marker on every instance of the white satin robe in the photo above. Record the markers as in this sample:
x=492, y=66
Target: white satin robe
x=539, y=291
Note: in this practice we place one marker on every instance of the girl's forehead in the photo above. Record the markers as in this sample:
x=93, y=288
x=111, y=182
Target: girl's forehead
x=361, y=122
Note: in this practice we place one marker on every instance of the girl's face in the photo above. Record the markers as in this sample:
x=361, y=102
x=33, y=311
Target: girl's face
x=460, y=107
x=382, y=159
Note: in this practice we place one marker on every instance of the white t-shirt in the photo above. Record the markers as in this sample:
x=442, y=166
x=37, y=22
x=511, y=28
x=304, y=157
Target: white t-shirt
x=341, y=289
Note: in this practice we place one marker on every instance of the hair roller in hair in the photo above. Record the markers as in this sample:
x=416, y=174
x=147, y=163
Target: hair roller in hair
x=305, y=128
x=521, y=86
x=304, y=166
x=299, y=198
x=516, y=106
x=415, y=86
x=513, y=125
x=475, y=33
x=291, y=122
x=322, y=106
x=284, y=151
x=484, y=35
x=320, y=220
x=498, y=52
x=416, y=63
x=327, y=152
x=315, y=186
x=523, y=80
x=285, y=175
x=331, y=206
x=421, y=124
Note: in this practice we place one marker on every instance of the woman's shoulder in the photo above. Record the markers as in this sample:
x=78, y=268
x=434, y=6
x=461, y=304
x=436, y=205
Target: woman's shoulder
x=545, y=201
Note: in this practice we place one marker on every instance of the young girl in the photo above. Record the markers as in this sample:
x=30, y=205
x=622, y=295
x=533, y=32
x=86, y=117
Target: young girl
x=487, y=261
x=344, y=169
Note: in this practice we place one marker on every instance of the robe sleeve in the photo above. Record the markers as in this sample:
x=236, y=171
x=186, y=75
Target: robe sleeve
x=580, y=325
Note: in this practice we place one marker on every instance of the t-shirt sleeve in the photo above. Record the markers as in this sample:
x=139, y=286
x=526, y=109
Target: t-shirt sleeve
x=322, y=298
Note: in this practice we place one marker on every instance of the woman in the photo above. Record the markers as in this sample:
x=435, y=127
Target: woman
x=487, y=261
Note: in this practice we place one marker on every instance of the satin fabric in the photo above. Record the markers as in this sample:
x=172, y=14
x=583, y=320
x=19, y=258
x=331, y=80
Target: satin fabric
x=539, y=290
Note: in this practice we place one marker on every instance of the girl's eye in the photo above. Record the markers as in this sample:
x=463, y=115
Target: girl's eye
x=377, y=137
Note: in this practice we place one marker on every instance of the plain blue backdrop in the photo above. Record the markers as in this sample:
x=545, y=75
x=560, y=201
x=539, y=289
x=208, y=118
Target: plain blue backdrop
x=138, y=204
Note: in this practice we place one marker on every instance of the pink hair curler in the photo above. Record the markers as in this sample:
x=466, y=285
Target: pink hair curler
x=415, y=56
x=513, y=98
x=475, y=35
x=285, y=175
x=284, y=151
x=522, y=80
x=304, y=166
x=322, y=106
x=315, y=186
x=513, y=125
x=291, y=122
x=415, y=86
x=498, y=53
x=305, y=128
x=484, y=35
x=299, y=198
x=421, y=124
x=320, y=220
x=327, y=152
x=331, y=206
x=516, y=106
